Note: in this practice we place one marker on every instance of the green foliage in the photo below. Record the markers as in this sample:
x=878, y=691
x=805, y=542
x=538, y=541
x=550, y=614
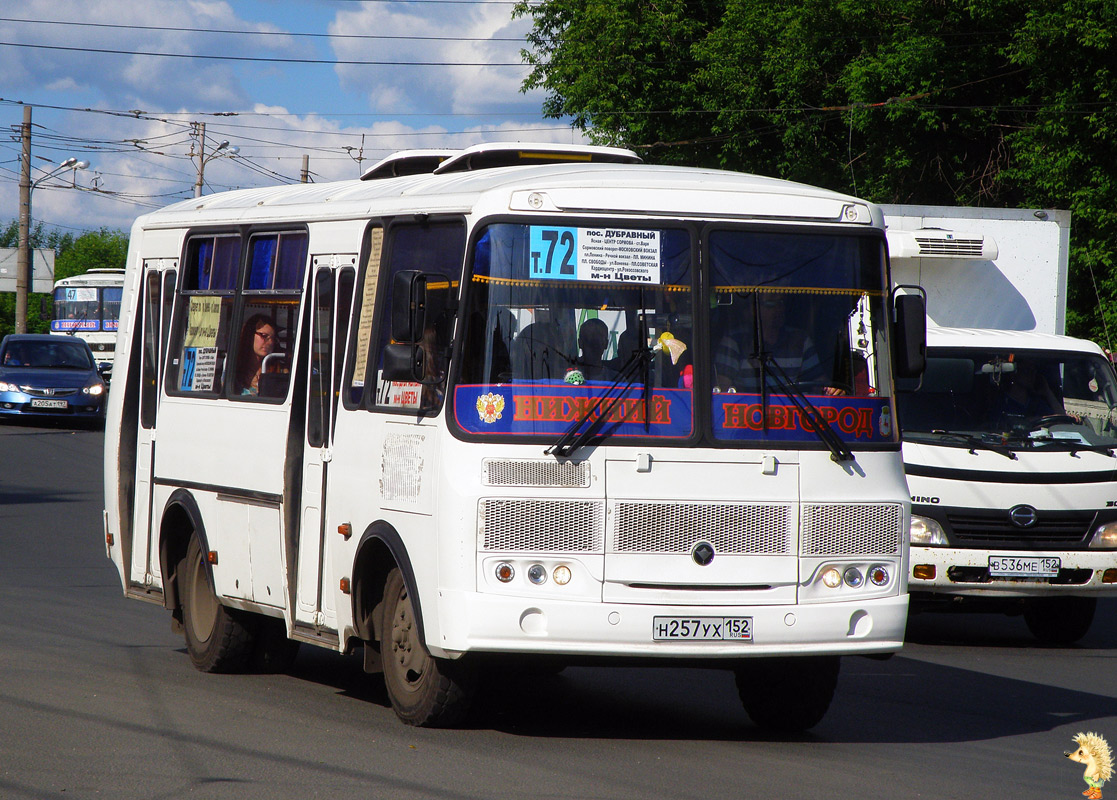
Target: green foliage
x=72, y=256
x=1001, y=103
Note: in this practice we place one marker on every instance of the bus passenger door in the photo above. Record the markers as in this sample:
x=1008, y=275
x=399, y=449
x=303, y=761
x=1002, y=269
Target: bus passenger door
x=332, y=297
x=158, y=290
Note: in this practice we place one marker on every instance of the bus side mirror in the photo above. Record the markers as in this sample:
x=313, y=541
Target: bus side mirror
x=404, y=362
x=909, y=345
x=409, y=306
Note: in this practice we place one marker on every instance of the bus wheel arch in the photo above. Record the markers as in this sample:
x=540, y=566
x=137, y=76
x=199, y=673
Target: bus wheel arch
x=379, y=551
x=424, y=691
x=218, y=638
x=181, y=520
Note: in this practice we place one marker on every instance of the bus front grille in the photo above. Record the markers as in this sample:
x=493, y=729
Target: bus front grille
x=549, y=526
x=675, y=527
x=535, y=472
x=836, y=529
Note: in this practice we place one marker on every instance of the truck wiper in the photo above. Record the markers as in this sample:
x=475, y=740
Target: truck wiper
x=976, y=442
x=807, y=410
x=579, y=432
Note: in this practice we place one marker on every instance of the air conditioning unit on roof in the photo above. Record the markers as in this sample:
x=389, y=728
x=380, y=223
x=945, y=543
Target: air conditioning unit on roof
x=940, y=243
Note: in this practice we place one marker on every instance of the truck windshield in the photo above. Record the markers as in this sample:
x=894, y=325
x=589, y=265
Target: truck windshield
x=553, y=315
x=1019, y=398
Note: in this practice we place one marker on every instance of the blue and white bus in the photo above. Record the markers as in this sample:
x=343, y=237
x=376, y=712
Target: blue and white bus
x=88, y=306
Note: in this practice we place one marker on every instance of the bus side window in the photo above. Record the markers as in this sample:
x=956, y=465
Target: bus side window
x=208, y=294
x=272, y=298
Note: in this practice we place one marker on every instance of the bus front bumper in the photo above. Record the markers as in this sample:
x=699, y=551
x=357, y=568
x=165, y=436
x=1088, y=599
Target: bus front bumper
x=505, y=624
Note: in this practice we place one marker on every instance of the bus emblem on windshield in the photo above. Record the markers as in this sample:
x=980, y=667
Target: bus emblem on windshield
x=490, y=407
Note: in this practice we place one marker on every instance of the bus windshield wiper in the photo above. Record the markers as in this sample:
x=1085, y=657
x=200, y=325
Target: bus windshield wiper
x=839, y=451
x=975, y=442
x=580, y=432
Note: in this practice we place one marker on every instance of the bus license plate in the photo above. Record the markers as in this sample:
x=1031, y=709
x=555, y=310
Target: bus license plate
x=39, y=403
x=1024, y=566
x=702, y=629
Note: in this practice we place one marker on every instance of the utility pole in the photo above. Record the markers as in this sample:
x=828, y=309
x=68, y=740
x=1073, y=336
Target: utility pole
x=201, y=159
x=304, y=176
x=23, y=257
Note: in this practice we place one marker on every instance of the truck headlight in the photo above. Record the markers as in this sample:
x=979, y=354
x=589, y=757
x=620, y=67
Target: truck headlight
x=926, y=531
x=1105, y=537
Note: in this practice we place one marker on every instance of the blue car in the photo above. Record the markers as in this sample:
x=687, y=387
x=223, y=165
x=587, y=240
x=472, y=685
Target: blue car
x=48, y=376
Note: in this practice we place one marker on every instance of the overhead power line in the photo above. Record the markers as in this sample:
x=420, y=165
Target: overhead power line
x=268, y=59
x=276, y=34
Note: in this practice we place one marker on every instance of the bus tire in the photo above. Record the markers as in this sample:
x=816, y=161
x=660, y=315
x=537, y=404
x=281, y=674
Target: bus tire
x=787, y=695
x=1059, y=620
x=218, y=639
x=424, y=691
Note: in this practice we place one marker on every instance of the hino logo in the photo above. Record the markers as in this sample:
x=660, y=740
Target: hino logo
x=918, y=498
x=1023, y=516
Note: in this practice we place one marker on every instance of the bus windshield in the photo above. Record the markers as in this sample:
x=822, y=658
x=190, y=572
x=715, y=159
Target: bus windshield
x=86, y=308
x=555, y=317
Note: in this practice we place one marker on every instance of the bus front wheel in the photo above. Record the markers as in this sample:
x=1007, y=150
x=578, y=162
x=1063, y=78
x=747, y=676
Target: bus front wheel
x=218, y=639
x=425, y=691
x=787, y=695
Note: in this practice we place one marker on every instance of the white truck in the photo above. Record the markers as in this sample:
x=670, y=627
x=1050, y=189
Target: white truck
x=1010, y=437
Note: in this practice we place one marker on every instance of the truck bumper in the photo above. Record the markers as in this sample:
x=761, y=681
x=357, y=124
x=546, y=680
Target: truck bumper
x=960, y=571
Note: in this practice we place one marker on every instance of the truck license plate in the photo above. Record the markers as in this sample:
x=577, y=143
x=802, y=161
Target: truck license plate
x=1023, y=566
x=702, y=629
x=40, y=403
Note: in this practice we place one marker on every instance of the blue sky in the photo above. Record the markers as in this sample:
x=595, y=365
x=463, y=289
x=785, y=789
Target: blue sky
x=276, y=78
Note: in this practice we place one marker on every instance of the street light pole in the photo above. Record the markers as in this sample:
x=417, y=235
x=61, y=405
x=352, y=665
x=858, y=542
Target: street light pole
x=25, y=257
x=222, y=149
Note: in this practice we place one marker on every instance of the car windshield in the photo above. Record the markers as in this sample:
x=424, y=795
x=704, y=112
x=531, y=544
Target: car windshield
x=47, y=355
x=1019, y=398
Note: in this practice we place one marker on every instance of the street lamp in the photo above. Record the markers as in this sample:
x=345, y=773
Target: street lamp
x=24, y=259
x=223, y=149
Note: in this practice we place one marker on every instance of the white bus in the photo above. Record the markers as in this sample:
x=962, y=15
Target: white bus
x=88, y=306
x=360, y=415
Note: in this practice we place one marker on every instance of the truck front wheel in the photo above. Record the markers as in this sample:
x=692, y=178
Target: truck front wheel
x=1059, y=620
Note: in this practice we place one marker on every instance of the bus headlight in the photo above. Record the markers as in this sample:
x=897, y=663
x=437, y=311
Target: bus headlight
x=926, y=531
x=1105, y=537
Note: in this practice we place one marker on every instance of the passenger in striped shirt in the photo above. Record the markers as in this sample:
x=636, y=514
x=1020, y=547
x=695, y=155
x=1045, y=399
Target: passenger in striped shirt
x=791, y=347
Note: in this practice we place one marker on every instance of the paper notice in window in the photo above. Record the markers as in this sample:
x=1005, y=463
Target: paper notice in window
x=203, y=322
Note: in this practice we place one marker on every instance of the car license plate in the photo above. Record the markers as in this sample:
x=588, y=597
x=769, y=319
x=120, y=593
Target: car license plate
x=1024, y=566
x=40, y=403
x=702, y=629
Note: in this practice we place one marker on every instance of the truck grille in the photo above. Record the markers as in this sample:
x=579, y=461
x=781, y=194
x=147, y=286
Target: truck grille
x=977, y=528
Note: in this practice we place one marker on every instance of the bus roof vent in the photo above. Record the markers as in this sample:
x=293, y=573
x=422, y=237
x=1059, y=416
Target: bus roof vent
x=407, y=162
x=511, y=154
x=940, y=243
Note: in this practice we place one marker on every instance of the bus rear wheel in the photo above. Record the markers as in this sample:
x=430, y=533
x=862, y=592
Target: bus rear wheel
x=425, y=691
x=787, y=695
x=218, y=639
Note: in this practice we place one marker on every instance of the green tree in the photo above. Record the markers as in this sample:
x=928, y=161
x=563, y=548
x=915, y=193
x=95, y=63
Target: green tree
x=72, y=256
x=1001, y=103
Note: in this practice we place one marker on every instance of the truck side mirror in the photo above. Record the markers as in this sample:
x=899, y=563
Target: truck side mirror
x=404, y=362
x=909, y=344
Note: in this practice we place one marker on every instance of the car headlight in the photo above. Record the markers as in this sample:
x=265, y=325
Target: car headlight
x=95, y=389
x=926, y=531
x=1105, y=537
x=8, y=387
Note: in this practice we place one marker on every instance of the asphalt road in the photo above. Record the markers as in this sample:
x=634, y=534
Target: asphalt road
x=98, y=700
